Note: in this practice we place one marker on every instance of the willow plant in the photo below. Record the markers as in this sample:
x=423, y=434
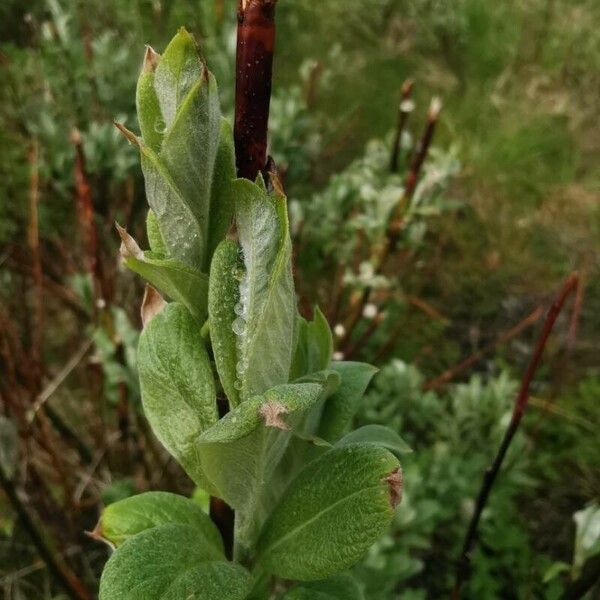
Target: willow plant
x=237, y=386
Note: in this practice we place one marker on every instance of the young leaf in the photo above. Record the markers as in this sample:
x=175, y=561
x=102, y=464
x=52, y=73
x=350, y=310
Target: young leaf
x=189, y=151
x=340, y=587
x=126, y=518
x=222, y=200
x=178, y=70
x=378, y=435
x=341, y=407
x=223, y=296
x=171, y=562
x=240, y=452
x=155, y=238
x=181, y=231
x=148, y=109
x=178, y=391
x=331, y=513
x=314, y=345
x=174, y=279
x=266, y=325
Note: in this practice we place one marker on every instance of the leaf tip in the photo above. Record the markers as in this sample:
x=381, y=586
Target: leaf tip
x=151, y=58
x=152, y=304
x=394, y=482
x=129, y=135
x=129, y=247
x=271, y=413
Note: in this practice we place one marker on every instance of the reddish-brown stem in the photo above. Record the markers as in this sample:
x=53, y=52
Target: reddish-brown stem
x=254, y=66
x=423, y=148
x=404, y=110
x=85, y=214
x=463, y=567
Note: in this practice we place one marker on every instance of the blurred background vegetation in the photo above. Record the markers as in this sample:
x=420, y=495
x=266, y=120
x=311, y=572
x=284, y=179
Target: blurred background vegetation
x=506, y=207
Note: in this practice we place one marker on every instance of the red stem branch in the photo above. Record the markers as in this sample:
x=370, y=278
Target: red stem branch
x=463, y=567
x=254, y=67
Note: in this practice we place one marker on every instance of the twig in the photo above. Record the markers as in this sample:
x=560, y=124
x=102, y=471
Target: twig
x=380, y=255
x=67, y=579
x=33, y=239
x=463, y=567
x=254, y=65
x=404, y=109
x=513, y=332
x=58, y=380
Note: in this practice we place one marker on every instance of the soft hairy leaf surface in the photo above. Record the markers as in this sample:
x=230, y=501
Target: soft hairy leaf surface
x=314, y=345
x=178, y=391
x=331, y=513
x=341, y=407
x=187, y=152
x=340, y=587
x=173, y=278
x=155, y=238
x=223, y=296
x=171, y=562
x=241, y=450
x=266, y=325
x=378, y=435
x=126, y=518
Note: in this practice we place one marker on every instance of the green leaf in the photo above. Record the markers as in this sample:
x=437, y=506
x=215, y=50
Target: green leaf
x=9, y=444
x=340, y=587
x=241, y=450
x=331, y=513
x=174, y=279
x=148, y=108
x=178, y=391
x=340, y=409
x=378, y=435
x=222, y=199
x=189, y=151
x=126, y=518
x=266, y=325
x=178, y=70
x=180, y=229
x=155, y=238
x=223, y=296
x=171, y=562
x=314, y=346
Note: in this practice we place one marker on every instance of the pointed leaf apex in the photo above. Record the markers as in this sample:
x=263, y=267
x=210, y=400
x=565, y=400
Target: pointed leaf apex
x=152, y=304
x=271, y=413
x=276, y=183
x=129, y=135
x=129, y=247
x=151, y=58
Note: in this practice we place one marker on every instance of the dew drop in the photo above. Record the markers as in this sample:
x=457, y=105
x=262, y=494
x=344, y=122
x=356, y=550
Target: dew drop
x=238, y=309
x=159, y=125
x=238, y=326
x=237, y=384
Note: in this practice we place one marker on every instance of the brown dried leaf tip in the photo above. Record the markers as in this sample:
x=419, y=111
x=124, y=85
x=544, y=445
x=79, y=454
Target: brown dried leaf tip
x=395, y=485
x=98, y=535
x=270, y=412
x=152, y=304
x=129, y=247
